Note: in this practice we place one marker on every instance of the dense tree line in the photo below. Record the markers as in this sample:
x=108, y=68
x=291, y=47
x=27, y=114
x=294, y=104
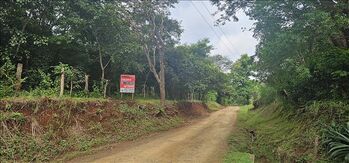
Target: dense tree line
x=302, y=61
x=303, y=50
x=97, y=41
x=88, y=35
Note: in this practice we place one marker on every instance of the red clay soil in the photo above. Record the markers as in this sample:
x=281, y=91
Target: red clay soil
x=55, y=113
x=67, y=119
x=193, y=109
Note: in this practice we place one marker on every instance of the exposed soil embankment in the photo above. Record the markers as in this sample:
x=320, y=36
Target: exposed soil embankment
x=44, y=129
x=193, y=109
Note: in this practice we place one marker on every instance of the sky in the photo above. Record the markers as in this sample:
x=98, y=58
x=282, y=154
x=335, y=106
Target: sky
x=229, y=40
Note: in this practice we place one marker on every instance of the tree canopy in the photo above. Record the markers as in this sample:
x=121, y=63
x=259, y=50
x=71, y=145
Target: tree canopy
x=303, y=49
x=100, y=40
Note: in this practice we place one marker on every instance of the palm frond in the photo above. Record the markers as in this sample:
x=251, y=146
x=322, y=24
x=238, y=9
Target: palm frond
x=336, y=140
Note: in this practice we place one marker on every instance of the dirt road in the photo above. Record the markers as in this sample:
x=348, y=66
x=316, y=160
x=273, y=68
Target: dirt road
x=202, y=141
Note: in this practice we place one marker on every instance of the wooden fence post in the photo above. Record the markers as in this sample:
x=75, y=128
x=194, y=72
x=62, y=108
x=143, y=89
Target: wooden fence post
x=86, y=83
x=62, y=83
x=19, y=77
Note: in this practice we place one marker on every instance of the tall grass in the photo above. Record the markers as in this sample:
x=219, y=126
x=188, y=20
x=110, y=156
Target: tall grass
x=275, y=137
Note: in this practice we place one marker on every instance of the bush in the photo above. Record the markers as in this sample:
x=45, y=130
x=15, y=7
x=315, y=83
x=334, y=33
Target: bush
x=7, y=78
x=81, y=94
x=211, y=96
x=39, y=92
x=45, y=85
x=267, y=95
x=96, y=92
x=328, y=111
x=46, y=81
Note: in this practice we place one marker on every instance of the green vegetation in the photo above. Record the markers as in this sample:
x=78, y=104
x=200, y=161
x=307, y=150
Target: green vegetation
x=239, y=157
x=298, y=80
x=80, y=48
x=271, y=136
x=214, y=106
x=302, y=62
x=11, y=116
x=275, y=133
x=239, y=141
x=337, y=141
x=240, y=88
x=292, y=55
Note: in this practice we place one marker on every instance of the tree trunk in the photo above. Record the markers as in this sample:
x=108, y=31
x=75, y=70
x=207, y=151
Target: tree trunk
x=161, y=48
x=19, y=77
x=102, y=79
x=86, y=83
x=157, y=33
x=162, y=93
x=162, y=83
x=145, y=85
x=71, y=87
x=103, y=67
x=105, y=89
x=152, y=91
x=62, y=83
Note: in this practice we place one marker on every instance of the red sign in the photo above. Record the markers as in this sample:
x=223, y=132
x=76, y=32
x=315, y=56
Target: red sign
x=127, y=83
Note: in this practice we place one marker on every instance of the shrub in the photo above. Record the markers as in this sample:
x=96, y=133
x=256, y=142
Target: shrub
x=268, y=95
x=96, y=92
x=45, y=85
x=211, y=96
x=7, y=78
x=46, y=81
x=329, y=111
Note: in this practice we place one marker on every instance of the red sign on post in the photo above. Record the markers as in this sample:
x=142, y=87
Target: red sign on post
x=127, y=83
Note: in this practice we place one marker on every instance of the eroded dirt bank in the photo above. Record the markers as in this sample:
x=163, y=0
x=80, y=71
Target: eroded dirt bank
x=202, y=141
x=46, y=129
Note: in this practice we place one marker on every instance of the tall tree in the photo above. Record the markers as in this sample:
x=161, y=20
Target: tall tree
x=101, y=29
x=303, y=50
x=191, y=72
x=156, y=31
x=223, y=62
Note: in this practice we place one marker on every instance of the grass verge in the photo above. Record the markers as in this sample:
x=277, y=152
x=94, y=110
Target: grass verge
x=239, y=141
x=273, y=137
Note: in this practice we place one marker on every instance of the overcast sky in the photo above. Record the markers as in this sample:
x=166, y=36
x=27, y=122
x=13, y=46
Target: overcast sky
x=230, y=40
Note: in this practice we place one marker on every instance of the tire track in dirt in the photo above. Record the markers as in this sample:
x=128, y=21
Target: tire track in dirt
x=203, y=141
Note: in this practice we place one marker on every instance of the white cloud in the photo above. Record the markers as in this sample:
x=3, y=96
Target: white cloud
x=196, y=28
x=234, y=45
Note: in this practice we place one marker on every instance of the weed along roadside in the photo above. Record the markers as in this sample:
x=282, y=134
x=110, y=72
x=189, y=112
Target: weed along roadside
x=266, y=135
x=269, y=137
x=239, y=142
x=48, y=129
